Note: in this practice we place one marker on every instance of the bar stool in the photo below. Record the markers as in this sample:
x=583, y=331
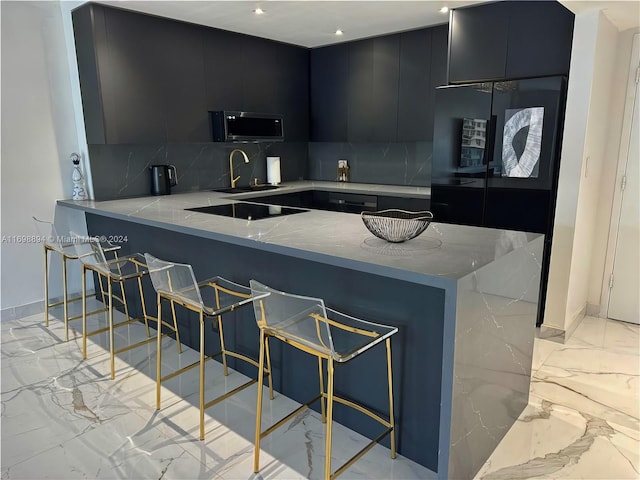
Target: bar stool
x=119, y=270
x=53, y=242
x=306, y=324
x=176, y=283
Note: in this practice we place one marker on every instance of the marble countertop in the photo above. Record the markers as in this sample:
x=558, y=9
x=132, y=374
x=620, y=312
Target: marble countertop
x=438, y=257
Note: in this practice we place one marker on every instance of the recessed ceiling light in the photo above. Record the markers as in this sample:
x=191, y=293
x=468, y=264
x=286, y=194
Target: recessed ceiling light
x=339, y=32
x=258, y=11
x=444, y=9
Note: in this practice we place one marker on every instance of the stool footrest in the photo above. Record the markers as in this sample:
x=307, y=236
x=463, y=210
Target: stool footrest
x=292, y=414
x=364, y=450
x=134, y=345
x=228, y=394
x=183, y=369
x=360, y=408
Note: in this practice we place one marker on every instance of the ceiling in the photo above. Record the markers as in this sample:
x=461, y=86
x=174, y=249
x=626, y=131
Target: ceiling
x=313, y=23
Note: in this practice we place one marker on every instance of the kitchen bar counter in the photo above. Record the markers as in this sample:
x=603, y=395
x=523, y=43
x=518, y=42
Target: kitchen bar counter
x=464, y=300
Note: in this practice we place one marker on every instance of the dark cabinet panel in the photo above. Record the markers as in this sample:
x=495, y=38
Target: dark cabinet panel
x=90, y=40
x=147, y=79
x=329, y=76
x=415, y=115
x=478, y=42
x=403, y=203
x=224, y=73
x=509, y=40
x=184, y=83
x=386, y=60
x=438, y=73
x=132, y=76
x=360, y=92
x=540, y=38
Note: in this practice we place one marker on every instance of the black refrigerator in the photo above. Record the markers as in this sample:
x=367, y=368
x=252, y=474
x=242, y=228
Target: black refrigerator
x=496, y=155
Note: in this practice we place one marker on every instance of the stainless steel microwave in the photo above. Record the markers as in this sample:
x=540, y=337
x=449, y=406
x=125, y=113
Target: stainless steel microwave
x=231, y=126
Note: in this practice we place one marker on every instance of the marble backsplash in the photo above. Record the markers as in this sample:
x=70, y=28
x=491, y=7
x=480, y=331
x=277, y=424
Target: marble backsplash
x=401, y=163
x=122, y=171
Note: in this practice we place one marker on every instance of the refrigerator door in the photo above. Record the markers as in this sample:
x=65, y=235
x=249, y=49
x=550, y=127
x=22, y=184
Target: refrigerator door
x=522, y=170
x=461, y=146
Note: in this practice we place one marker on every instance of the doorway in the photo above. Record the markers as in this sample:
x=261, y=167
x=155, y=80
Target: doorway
x=624, y=282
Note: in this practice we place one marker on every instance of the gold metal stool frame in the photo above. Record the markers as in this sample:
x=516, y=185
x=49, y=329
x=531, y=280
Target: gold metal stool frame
x=119, y=270
x=318, y=317
x=188, y=296
x=64, y=247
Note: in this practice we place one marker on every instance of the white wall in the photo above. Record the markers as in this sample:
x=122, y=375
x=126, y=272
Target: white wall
x=38, y=135
x=587, y=171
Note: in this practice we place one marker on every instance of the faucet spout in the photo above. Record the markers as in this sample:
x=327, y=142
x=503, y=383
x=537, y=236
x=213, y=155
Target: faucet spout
x=246, y=160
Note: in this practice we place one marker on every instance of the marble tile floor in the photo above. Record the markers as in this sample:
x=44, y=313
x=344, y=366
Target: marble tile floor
x=64, y=418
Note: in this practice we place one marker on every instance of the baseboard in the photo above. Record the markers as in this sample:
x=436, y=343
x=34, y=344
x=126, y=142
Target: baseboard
x=21, y=311
x=26, y=310
x=550, y=333
x=594, y=310
x=575, y=322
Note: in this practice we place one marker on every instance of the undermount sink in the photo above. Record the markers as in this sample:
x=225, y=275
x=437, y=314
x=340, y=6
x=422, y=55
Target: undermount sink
x=252, y=188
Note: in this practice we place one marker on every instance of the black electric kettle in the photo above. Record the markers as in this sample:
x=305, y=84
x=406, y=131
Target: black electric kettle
x=163, y=177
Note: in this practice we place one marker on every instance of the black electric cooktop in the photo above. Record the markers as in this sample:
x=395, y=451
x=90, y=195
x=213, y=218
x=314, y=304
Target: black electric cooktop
x=247, y=211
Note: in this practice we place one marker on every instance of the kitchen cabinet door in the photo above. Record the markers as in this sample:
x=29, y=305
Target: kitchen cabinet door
x=360, y=111
x=540, y=38
x=386, y=66
x=329, y=77
x=478, y=43
x=223, y=68
x=132, y=79
x=184, y=83
x=415, y=112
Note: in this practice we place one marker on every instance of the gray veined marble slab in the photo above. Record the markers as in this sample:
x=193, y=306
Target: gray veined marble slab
x=63, y=418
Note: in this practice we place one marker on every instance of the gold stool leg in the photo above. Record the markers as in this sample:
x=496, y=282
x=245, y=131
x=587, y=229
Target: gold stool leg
x=201, y=376
x=124, y=297
x=322, y=399
x=224, y=352
x=391, y=419
x=144, y=307
x=327, y=460
x=256, y=448
x=175, y=326
x=159, y=354
x=266, y=346
x=111, y=333
x=65, y=305
x=84, y=312
x=46, y=286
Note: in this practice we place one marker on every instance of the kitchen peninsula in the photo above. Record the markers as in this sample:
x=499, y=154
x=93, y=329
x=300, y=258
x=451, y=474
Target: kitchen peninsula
x=464, y=300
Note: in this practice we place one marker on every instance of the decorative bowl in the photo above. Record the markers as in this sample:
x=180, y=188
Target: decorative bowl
x=396, y=226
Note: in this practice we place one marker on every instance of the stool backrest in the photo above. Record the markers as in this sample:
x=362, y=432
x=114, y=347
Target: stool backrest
x=47, y=231
x=174, y=280
x=90, y=252
x=299, y=319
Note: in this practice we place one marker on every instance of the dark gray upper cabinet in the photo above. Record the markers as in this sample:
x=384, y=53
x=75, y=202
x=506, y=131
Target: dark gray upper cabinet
x=540, y=39
x=508, y=40
x=415, y=117
x=360, y=111
x=377, y=90
x=184, y=83
x=147, y=79
x=329, y=76
x=386, y=65
x=478, y=42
